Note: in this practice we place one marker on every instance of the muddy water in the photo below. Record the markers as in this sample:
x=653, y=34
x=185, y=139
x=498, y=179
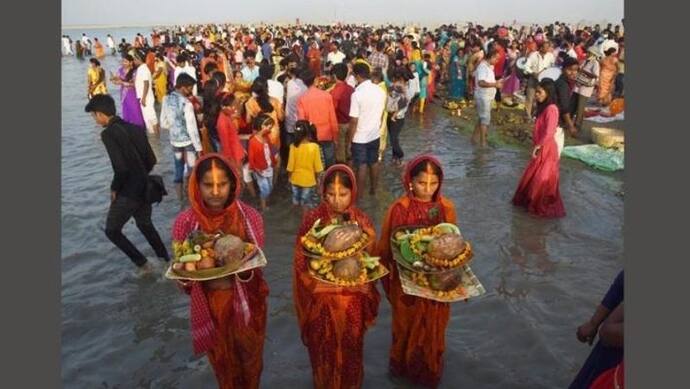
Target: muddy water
x=542, y=277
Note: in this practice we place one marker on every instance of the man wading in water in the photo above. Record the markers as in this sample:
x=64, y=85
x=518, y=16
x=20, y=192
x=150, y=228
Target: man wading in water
x=132, y=159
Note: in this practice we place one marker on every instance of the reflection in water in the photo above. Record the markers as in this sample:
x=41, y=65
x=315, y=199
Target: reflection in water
x=527, y=252
x=119, y=332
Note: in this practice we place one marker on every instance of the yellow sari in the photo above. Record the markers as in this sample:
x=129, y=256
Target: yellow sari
x=99, y=88
x=160, y=82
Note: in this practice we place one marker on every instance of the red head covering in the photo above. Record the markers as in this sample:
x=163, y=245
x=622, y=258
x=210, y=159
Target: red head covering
x=212, y=221
x=407, y=174
x=339, y=168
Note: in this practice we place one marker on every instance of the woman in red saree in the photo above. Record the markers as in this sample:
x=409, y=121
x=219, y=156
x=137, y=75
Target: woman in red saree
x=228, y=315
x=314, y=59
x=419, y=325
x=538, y=189
x=333, y=319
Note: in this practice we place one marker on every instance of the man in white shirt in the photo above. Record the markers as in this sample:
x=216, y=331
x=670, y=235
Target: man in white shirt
x=295, y=89
x=183, y=66
x=335, y=56
x=484, y=94
x=250, y=72
x=536, y=63
x=177, y=116
x=111, y=44
x=275, y=89
x=367, y=105
x=143, y=84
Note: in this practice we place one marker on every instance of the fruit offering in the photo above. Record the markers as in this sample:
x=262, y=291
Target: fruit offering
x=432, y=249
x=202, y=251
x=335, y=241
x=351, y=271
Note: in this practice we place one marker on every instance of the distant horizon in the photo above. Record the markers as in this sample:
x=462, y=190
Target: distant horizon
x=418, y=23
x=142, y=13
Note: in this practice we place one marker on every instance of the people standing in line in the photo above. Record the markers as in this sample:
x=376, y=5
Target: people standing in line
x=367, y=104
x=132, y=160
x=231, y=337
x=178, y=117
x=333, y=320
x=418, y=324
x=316, y=107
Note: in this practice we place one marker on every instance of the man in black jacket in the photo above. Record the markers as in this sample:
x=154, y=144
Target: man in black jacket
x=132, y=159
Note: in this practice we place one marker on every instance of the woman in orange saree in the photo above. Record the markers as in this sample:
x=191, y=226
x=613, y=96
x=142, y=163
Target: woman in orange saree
x=228, y=315
x=333, y=319
x=419, y=325
x=607, y=76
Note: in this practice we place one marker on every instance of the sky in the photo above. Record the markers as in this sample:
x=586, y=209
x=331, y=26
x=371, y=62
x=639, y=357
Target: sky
x=157, y=12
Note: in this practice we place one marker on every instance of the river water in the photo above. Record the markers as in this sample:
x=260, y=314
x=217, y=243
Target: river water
x=543, y=277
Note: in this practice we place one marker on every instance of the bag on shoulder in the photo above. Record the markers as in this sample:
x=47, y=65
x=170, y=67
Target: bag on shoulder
x=583, y=79
x=155, y=189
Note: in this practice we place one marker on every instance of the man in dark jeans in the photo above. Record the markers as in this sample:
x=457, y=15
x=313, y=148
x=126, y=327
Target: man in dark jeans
x=132, y=159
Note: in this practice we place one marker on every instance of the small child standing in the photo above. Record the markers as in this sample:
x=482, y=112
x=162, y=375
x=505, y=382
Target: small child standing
x=304, y=163
x=262, y=158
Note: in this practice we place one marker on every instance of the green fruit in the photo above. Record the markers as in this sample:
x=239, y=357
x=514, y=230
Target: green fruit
x=407, y=253
x=190, y=258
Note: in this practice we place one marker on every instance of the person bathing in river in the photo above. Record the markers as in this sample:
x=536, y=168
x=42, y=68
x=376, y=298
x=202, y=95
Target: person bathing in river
x=96, y=79
x=231, y=337
x=419, y=325
x=333, y=319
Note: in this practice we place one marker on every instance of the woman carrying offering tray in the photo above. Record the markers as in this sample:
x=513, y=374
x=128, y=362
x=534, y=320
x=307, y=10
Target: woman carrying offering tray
x=228, y=314
x=419, y=324
x=335, y=298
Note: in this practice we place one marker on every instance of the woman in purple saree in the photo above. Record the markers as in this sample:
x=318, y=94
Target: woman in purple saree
x=131, y=108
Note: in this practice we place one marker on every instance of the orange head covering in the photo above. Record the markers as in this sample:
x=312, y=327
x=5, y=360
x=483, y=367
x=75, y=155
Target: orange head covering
x=212, y=221
x=344, y=169
x=407, y=174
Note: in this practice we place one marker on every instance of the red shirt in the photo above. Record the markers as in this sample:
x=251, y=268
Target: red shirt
x=581, y=55
x=500, y=64
x=257, y=158
x=316, y=106
x=230, y=145
x=341, y=93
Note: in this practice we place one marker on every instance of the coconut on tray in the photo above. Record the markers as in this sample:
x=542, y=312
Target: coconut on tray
x=338, y=255
x=432, y=262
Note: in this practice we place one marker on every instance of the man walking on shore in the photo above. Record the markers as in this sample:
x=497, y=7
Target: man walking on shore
x=132, y=159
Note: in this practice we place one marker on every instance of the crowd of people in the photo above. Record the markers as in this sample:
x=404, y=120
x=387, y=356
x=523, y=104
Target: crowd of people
x=319, y=105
